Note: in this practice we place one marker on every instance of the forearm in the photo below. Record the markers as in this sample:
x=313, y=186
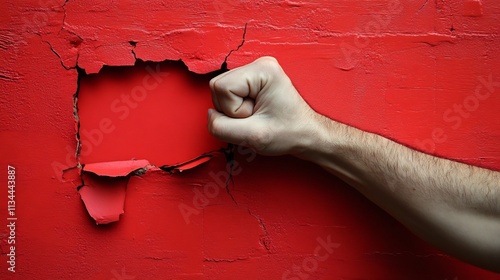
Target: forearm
x=454, y=206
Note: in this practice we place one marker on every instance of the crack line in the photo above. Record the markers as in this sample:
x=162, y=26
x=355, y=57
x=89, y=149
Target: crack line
x=58, y=55
x=224, y=64
x=77, y=118
x=266, y=239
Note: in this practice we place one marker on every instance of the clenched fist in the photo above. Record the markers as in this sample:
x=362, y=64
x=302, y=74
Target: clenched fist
x=258, y=106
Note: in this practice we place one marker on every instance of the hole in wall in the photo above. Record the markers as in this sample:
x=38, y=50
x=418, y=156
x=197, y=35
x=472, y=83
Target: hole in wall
x=153, y=111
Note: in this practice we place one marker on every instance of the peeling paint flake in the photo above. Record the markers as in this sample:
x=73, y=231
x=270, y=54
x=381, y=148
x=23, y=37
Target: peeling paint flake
x=188, y=164
x=104, y=188
x=115, y=168
x=104, y=197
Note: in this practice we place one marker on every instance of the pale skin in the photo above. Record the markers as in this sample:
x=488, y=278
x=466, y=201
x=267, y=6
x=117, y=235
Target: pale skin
x=454, y=206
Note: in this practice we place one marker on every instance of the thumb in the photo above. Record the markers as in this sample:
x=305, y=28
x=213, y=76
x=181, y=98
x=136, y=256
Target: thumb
x=232, y=130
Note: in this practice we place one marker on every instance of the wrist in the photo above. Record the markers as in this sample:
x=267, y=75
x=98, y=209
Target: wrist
x=317, y=136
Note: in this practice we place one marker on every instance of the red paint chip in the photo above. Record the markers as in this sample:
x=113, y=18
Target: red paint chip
x=115, y=168
x=104, y=197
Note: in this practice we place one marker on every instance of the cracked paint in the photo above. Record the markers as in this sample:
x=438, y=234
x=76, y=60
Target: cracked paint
x=390, y=67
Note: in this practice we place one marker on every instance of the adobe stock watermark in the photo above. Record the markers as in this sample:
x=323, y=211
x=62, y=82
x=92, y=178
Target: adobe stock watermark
x=211, y=190
x=121, y=107
x=310, y=264
x=380, y=20
x=453, y=116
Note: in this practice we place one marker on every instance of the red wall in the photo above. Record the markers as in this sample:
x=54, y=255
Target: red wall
x=424, y=73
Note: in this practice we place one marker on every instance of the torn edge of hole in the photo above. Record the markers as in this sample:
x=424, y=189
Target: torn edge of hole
x=77, y=117
x=68, y=173
x=188, y=164
x=133, y=44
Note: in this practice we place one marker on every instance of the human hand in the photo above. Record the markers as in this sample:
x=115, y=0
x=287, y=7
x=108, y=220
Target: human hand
x=258, y=106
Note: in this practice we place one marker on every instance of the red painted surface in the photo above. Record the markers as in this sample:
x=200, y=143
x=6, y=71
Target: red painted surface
x=423, y=73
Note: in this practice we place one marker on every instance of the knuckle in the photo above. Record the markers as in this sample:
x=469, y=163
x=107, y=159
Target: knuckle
x=269, y=60
x=216, y=85
x=271, y=66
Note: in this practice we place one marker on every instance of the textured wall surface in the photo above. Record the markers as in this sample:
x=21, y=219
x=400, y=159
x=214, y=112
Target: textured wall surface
x=103, y=117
